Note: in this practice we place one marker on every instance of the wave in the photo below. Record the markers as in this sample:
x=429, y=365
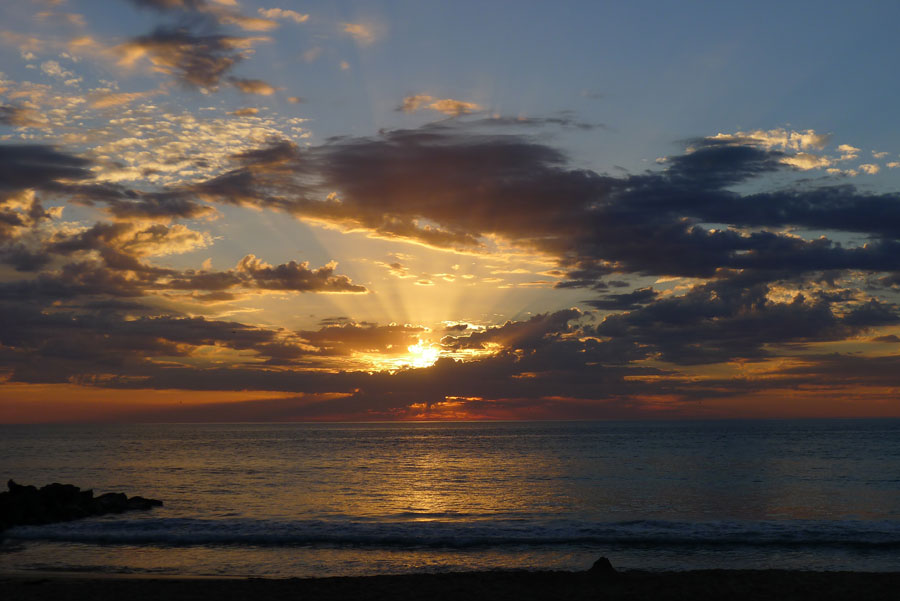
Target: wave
x=880, y=535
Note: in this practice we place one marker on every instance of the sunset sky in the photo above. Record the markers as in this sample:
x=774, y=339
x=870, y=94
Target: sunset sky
x=240, y=210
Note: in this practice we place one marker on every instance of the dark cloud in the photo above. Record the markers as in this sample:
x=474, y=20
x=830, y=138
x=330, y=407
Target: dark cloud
x=163, y=206
x=21, y=257
x=848, y=371
x=107, y=259
x=734, y=318
x=333, y=321
x=195, y=59
x=170, y=5
x=20, y=213
x=251, y=272
x=891, y=338
x=872, y=313
x=39, y=167
x=453, y=186
x=19, y=116
x=388, y=184
x=296, y=276
x=465, y=184
x=346, y=338
x=545, y=366
x=517, y=335
x=621, y=302
x=66, y=345
x=194, y=50
x=565, y=119
x=252, y=86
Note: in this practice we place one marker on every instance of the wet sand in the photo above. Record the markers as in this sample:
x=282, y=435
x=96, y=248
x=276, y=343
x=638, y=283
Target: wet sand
x=471, y=586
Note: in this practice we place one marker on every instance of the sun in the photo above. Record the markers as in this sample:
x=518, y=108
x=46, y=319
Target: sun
x=422, y=354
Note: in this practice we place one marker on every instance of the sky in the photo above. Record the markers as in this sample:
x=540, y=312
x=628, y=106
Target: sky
x=231, y=210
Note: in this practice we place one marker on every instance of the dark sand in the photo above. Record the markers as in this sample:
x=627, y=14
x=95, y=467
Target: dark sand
x=465, y=586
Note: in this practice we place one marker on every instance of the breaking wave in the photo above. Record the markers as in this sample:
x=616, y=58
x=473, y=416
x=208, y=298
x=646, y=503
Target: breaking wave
x=881, y=535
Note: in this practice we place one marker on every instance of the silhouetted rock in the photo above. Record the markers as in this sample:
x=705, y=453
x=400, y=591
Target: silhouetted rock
x=602, y=568
x=111, y=502
x=60, y=503
x=140, y=503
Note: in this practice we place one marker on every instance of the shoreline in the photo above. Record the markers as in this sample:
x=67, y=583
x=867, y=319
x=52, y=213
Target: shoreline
x=659, y=586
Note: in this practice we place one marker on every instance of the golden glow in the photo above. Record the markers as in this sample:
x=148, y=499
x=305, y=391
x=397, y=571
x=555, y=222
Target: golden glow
x=423, y=354
x=419, y=355
x=30, y=403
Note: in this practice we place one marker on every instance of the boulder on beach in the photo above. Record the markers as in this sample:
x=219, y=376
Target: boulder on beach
x=602, y=568
x=29, y=505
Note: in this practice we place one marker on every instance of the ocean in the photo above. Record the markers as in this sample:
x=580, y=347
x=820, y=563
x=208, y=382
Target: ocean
x=301, y=500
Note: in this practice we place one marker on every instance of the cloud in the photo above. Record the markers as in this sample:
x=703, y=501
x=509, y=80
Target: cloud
x=54, y=69
x=169, y=5
x=565, y=119
x=243, y=112
x=199, y=61
x=448, y=106
x=801, y=150
x=869, y=168
x=124, y=203
x=540, y=330
x=39, y=167
x=164, y=352
x=252, y=86
x=130, y=239
x=740, y=279
x=627, y=301
x=736, y=318
x=220, y=11
x=80, y=346
x=108, y=258
x=848, y=152
x=19, y=116
x=348, y=338
x=73, y=19
x=311, y=54
x=889, y=338
x=252, y=273
x=362, y=33
x=107, y=99
x=397, y=269
x=296, y=276
x=247, y=23
x=280, y=13
x=452, y=186
x=780, y=139
x=413, y=103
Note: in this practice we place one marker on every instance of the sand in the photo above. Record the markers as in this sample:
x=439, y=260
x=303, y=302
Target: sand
x=726, y=585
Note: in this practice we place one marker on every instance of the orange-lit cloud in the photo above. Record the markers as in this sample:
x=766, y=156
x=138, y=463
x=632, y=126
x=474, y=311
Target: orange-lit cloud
x=363, y=33
x=448, y=106
x=280, y=13
x=253, y=86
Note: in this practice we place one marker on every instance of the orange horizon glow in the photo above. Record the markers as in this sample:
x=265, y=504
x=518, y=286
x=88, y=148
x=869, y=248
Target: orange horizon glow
x=70, y=403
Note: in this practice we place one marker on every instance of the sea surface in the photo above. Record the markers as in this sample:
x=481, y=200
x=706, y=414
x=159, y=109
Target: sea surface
x=299, y=500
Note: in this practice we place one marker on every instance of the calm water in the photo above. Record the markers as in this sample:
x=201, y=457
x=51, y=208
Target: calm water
x=285, y=500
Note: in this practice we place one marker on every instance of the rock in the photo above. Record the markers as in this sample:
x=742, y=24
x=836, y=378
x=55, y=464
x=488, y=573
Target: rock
x=140, y=503
x=60, y=503
x=111, y=502
x=18, y=489
x=602, y=568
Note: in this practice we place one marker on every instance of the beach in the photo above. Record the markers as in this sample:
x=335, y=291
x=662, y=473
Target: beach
x=696, y=585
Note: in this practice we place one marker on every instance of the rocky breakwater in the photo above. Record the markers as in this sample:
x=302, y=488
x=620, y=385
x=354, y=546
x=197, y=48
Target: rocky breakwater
x=29, y=505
